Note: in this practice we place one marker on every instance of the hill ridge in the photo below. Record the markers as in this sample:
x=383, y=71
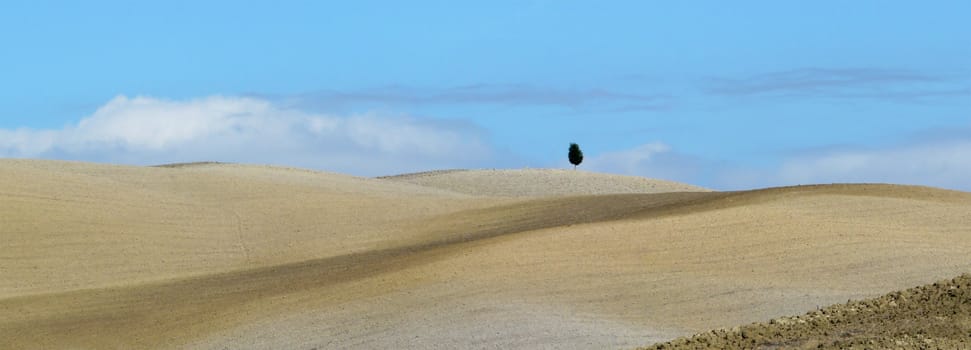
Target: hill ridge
x=534, y=182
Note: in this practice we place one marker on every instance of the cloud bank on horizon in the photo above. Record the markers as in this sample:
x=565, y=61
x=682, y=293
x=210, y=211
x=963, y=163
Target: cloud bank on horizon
x=147, y=131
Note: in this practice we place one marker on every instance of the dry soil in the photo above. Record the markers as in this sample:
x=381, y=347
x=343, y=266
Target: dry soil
x=217, y=256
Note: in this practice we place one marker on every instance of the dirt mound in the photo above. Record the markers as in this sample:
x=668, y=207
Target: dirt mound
x=539, y=182
x=934, y=316
x=189, y=164
x=412, y=176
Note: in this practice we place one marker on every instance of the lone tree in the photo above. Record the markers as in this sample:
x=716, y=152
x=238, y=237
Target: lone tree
x=576, y=155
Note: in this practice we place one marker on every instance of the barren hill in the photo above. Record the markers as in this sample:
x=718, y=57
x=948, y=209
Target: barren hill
x=217, y=255
x=539, y=182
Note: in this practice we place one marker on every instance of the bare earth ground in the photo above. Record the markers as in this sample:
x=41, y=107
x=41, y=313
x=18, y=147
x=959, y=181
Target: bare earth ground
x=221, y=256
x=935, y=316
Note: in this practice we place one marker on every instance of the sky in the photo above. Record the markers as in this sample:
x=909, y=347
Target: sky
x=727, y=95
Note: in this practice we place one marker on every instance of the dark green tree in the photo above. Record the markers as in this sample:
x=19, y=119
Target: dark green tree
x=576, y=155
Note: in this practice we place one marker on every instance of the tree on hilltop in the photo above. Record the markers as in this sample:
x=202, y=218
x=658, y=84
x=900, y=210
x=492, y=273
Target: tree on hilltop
x=575, y=155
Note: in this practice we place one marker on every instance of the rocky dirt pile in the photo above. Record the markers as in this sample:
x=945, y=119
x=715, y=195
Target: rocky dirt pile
x=935, y=316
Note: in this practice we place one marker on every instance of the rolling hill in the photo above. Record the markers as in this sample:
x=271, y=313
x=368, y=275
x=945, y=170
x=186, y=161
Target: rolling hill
x=222, y=255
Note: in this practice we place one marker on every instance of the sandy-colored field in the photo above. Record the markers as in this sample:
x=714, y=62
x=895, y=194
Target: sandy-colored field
x=222, y=256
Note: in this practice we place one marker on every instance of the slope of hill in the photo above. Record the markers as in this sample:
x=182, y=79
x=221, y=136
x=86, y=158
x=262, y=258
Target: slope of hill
x=76, y=225
x=934, y=316
x=217, y=256
x=539, y=182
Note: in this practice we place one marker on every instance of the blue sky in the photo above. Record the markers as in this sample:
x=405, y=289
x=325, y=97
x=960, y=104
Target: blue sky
x=723, y=94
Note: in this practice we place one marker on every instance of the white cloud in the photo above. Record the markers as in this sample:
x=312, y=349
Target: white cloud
x=145, y=130
x=655, y=160
x=944, y=163
x=629, y=161
x=934, y=161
